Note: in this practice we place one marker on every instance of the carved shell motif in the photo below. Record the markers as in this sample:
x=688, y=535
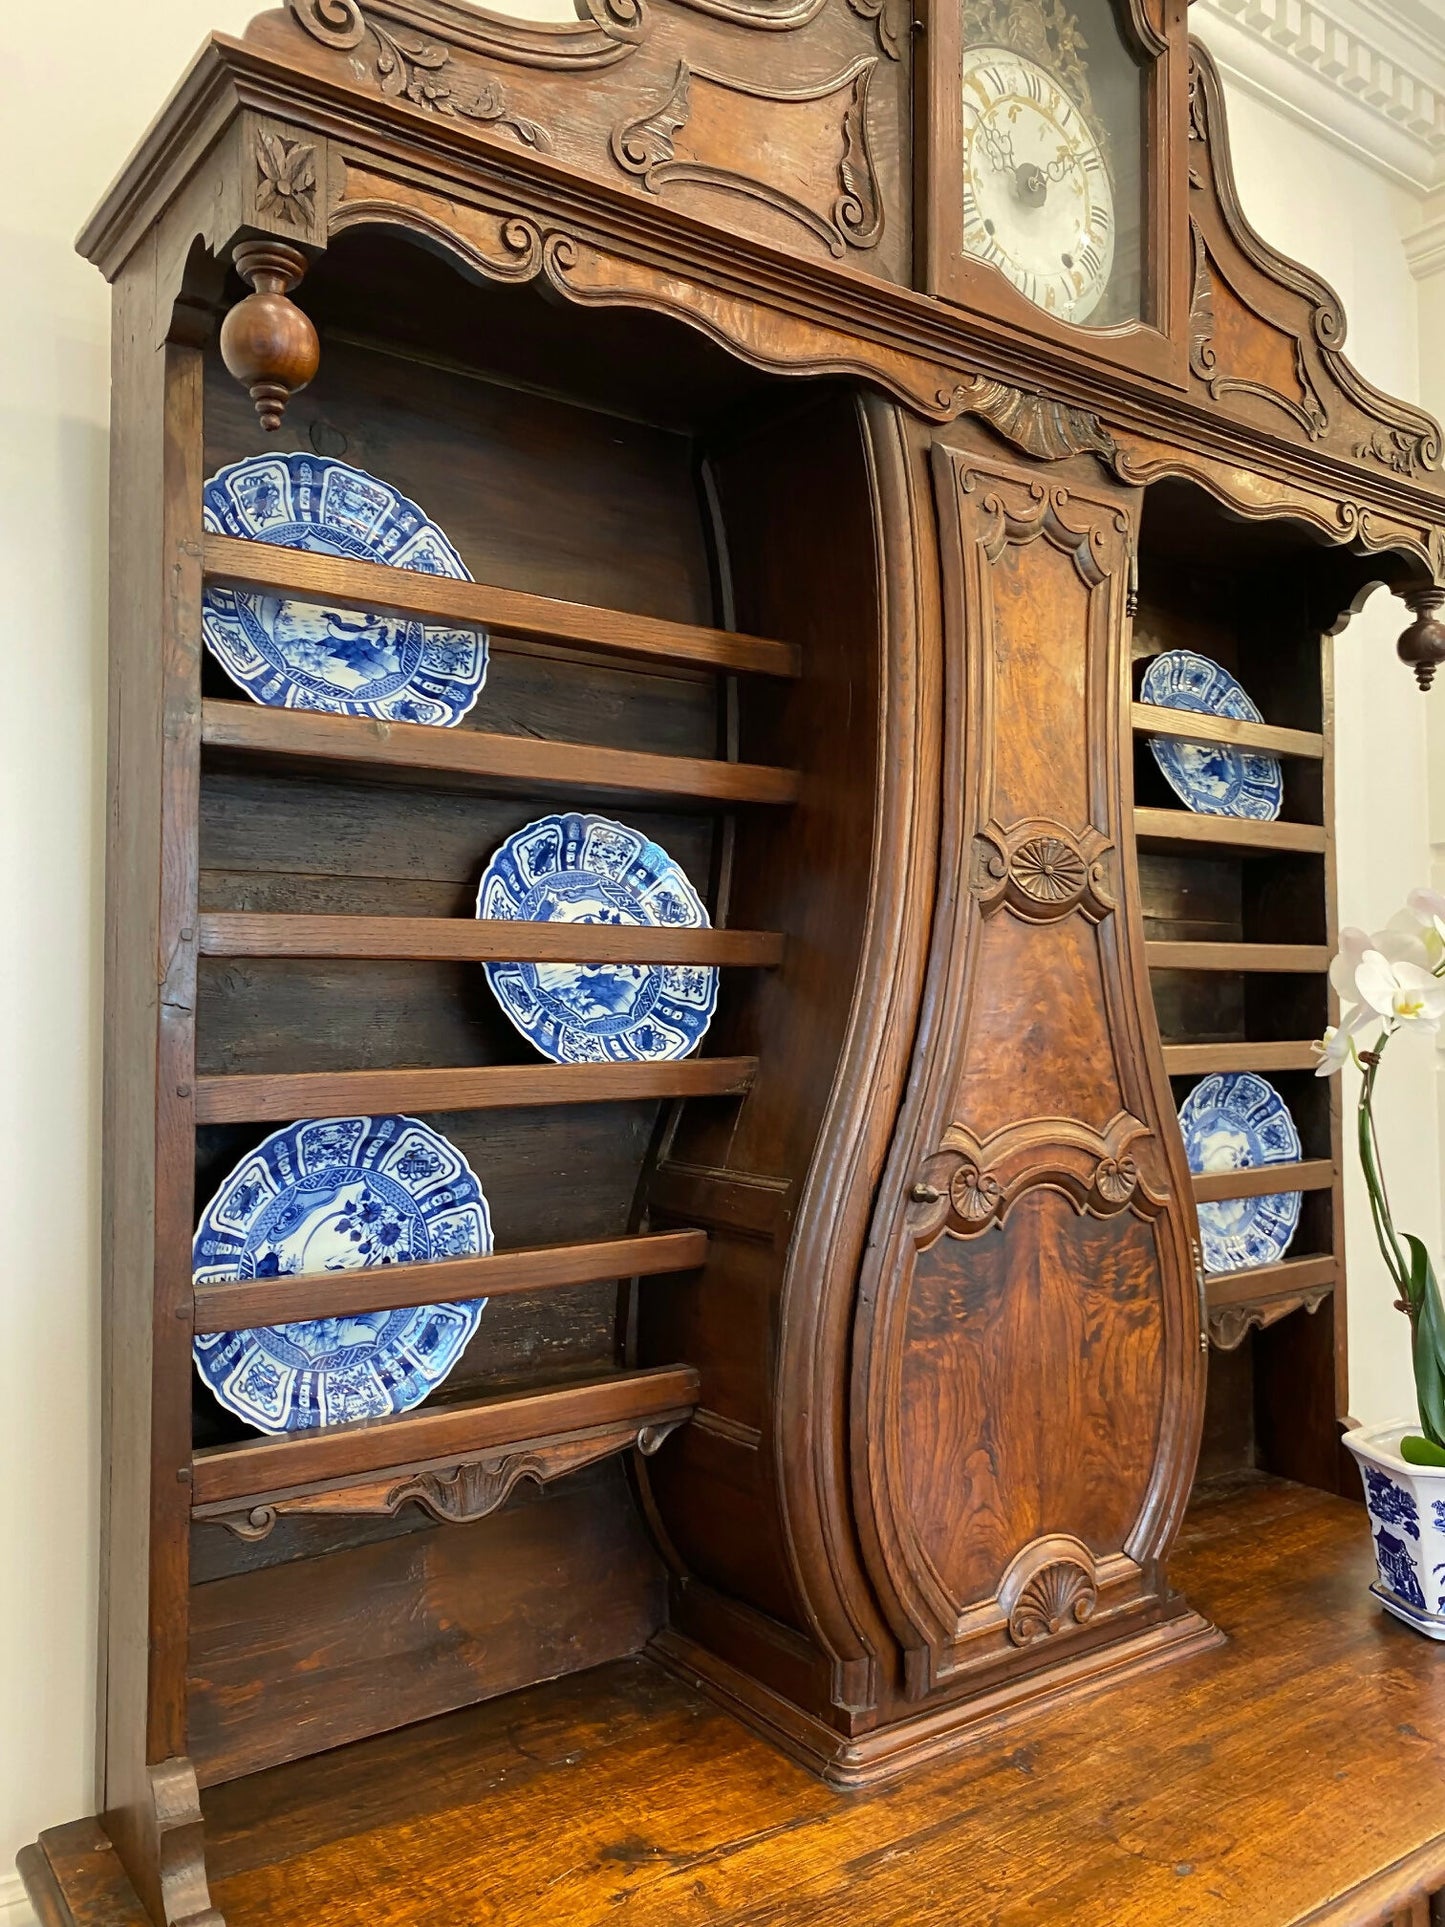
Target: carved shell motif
x=1058, y=1597
x=1115, y=1180
x=974, y=1194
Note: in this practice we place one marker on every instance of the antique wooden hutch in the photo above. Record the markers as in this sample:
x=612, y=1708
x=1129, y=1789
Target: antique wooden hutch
x=855, y=1368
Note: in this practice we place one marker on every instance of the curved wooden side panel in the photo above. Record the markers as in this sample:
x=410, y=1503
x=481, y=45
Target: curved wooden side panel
x=1029, y=1372
x=817, y=508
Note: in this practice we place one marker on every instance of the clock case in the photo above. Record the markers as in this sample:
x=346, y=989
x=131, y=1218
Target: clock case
x=856, y=1367
x=1158, y=342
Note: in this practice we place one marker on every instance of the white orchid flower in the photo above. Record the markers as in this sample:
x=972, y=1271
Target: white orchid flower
x=1400, y=992
x=1400, y=941
x=1336, y=1047
x=1427, y=909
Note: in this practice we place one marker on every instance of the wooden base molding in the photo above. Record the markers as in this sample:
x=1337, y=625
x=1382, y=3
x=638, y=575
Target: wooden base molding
x=874, y=1759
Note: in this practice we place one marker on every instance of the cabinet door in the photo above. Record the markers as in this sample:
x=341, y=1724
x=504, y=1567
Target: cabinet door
x=1029, y=1374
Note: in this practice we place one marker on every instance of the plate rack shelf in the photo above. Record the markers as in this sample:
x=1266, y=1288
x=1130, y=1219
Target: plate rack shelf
x=1241, y=924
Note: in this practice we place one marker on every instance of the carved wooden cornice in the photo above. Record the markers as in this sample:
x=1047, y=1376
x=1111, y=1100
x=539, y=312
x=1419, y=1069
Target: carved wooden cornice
x=511, y=211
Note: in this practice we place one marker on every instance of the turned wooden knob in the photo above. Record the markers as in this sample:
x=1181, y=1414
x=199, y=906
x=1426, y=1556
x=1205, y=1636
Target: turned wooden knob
x=267, y=342
x=1423, y=643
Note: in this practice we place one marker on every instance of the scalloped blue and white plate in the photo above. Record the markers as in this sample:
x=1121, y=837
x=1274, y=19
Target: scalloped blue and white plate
x=1211, y=778
x=1235, y=1121
x=339, y=1194
x=300, y=655
x=588, y=869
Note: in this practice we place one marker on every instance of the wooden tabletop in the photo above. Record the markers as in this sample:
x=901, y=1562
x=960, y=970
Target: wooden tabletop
x=1296, y=1775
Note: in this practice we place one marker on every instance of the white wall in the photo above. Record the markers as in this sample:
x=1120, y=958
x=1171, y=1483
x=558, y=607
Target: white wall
x=105, y=72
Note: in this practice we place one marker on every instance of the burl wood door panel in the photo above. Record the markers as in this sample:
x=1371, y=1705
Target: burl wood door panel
x=1029, y=1372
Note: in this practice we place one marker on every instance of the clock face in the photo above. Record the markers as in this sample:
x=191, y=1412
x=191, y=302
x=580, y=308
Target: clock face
x=1038, y=203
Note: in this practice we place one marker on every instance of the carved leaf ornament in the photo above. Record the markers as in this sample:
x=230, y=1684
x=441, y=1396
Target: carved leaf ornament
x=407, y=66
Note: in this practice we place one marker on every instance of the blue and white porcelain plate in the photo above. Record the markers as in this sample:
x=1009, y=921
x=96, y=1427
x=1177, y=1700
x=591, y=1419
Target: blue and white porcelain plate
x=299, y=655
x=588, y=869
x=1212, y=778
x=339, y=1194
x=1235, y=1121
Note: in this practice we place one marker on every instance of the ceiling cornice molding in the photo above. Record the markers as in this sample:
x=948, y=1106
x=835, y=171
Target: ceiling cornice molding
x=1366, y=75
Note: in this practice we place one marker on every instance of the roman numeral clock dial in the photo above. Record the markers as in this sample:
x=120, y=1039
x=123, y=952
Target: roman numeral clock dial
x=1038, y=201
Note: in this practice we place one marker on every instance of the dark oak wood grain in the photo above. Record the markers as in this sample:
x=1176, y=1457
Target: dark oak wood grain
x=341, y=583
x=1314, y=1174
x=474, y=755
x=1300, y=957
x=243, y=1099
x=440, y=1432
x=482, y=940
x=1183, y=1060
x=279, y=1301
x=1196, y=727
x=1175, y=1798
x=1156, y=829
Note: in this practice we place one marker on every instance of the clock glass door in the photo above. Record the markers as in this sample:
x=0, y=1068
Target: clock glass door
x=1053, y=121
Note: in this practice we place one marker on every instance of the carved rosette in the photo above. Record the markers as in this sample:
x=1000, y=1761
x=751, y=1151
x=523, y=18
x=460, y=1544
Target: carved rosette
x=1042, y=871
x=1050, y=1588
x=1115, y=1182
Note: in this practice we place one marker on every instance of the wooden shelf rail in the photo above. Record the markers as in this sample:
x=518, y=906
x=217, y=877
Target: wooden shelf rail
x=479, y=758
x=501, y=1274
x=1198, y=1060
x=1264, y=1181
x=231, y=563
x=437, y=1434
x=1193, y=726
x=1281, y=1280
x=479, y=940
x=1182, y=829
x=263, y=1098
x=1304, y=958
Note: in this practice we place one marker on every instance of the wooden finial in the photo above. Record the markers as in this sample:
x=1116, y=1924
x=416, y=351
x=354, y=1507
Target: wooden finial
x=267, y=342
x=1423, y=643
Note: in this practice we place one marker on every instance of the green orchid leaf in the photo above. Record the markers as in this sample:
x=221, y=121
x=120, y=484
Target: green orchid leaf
x=1418, y=1451
x=1429, y=1348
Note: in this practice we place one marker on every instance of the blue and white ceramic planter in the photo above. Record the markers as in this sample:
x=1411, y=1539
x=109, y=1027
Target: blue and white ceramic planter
x=1406, y=1504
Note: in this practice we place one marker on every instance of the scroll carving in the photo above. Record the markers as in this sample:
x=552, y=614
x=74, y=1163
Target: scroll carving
x=1230, y=1325
x=408, y=66
x=651, y=147
x=967, y=1185
x=1039, y=425
x=1285, y=326
x=452, y=1494
x=1306, y=408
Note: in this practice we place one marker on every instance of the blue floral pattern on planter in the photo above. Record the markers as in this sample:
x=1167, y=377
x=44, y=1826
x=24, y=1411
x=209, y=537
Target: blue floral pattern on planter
x=1397, y=1569
x=1391, y=1504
